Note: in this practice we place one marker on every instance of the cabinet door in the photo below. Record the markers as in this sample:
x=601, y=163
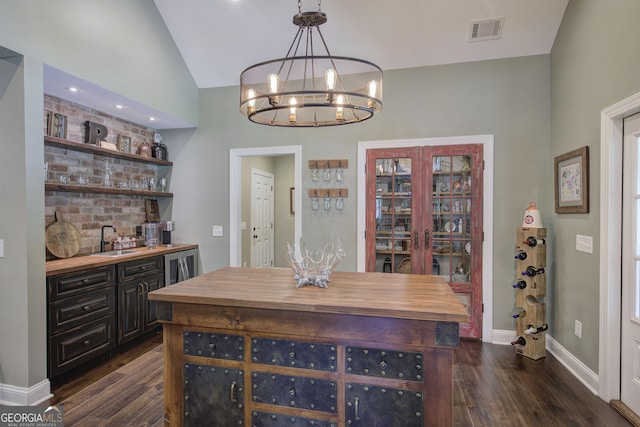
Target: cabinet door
x=213, y=396
x=392, y=193
x=150, y=316
x=129, y=310
x=453, y=219
x=372, y=406
x=424, y=216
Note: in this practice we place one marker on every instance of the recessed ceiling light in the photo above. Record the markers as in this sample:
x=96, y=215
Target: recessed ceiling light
x=72, y=89
x=119, y=106
x=152, y=119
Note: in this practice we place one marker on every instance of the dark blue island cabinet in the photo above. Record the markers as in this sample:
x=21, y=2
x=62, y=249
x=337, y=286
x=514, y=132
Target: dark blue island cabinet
x=245, y=347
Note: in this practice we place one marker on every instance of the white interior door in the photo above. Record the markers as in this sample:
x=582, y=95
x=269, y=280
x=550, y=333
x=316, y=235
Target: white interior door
x=630, y=320
x=262, y=212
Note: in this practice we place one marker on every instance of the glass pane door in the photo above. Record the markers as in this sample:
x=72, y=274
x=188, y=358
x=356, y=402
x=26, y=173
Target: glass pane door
x=451, y=207
x=393, y=214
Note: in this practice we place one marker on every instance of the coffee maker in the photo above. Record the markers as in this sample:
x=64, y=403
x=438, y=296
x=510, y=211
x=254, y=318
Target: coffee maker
x=167, y=227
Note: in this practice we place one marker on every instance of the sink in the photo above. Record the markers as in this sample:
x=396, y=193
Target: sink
x=114, y=253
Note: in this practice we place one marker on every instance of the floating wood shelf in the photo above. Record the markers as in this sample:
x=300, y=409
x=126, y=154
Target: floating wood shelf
x=89, y=148
x=104, y=190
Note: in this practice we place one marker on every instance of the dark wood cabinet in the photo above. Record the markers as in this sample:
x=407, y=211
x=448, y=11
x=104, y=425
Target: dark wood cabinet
x=136, y=313
x=81, y=317
x=92, y=311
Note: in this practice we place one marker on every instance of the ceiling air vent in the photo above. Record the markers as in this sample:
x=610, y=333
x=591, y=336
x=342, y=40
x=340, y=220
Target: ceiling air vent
x=488, y=29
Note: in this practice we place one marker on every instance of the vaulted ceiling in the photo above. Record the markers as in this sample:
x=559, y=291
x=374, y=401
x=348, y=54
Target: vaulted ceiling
x=220, y=38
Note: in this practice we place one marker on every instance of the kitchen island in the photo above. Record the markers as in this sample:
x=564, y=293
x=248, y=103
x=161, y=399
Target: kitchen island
x=246, y=347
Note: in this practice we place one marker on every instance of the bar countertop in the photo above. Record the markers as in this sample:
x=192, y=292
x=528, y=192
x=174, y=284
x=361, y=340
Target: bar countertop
x=83, y=262
x=402, y=296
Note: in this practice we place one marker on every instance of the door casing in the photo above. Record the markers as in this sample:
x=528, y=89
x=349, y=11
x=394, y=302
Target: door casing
x=611, y=137
x=235, y=199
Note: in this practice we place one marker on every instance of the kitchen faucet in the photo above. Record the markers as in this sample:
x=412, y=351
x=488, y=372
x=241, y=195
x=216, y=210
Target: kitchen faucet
x=102, y=242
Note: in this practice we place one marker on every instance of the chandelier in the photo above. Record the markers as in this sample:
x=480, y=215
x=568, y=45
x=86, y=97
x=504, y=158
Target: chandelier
x=308, y=88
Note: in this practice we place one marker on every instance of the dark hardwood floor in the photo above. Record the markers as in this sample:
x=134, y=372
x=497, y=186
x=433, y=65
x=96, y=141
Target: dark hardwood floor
x=492, y=387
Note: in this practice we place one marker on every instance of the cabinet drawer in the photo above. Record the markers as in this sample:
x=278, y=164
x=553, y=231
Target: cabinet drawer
x=268, y=419
x=73, y=347
x=216, y=346
x=80, y=282
x=139, y=268
x=296, y=354
x=402, y=365
x=75, y=311
x=295, y=392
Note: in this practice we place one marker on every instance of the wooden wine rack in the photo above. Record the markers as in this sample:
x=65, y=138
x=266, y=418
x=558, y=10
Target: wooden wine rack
x=531, y=298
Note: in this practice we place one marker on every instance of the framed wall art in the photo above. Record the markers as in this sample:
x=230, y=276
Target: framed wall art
x=572, y=181
x=124, y=143
x=56, y=125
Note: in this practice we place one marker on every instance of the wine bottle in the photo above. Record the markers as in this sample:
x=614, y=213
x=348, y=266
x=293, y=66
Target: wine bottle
x=532, y=271
x=531, y=330
x=519, y=341
x=533, y=242
x=521, y=255
x=518, y=313
x=520, y=284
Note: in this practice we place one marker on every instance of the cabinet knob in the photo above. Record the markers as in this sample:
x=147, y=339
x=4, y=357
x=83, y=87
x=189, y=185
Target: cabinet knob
x=86, y=342
x=383, y=365
x=86, y=308
x=85, y=281
x=292, y=355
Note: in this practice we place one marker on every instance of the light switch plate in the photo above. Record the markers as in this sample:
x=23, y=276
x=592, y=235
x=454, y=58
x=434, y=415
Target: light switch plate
x=584, y=244
x=217, y=231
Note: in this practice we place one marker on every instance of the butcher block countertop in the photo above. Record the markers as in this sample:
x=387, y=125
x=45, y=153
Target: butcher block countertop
x=403, y=296
x=83, y=262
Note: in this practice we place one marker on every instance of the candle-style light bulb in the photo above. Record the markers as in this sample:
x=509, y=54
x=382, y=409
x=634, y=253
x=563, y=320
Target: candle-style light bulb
x=251, y=94
x=330, y=79
x=373, y=89
x=339, y=103
x=292, y=109
x=273, y=80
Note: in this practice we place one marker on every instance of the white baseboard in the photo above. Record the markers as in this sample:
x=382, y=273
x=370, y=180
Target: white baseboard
x=503, y=337
x=11, y=395
x=581, y=371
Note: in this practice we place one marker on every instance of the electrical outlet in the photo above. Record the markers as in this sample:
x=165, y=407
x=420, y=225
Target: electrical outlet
x=578, y=329
x=217, y=231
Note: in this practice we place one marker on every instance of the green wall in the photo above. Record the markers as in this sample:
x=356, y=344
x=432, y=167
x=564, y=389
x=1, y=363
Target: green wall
x=594, y=64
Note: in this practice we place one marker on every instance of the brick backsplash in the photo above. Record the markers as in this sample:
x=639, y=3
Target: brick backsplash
x=90, y=211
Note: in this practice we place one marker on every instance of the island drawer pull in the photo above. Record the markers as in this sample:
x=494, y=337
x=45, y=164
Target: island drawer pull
x=233, y=393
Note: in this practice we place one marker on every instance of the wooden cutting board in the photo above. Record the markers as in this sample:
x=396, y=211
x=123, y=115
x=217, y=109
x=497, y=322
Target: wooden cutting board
x=62, y=238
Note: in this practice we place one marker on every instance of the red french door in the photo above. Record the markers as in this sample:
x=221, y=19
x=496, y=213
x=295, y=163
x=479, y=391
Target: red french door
x=424, y=216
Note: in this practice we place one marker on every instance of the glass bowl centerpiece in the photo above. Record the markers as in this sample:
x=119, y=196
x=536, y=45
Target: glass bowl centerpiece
x=313, y=267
